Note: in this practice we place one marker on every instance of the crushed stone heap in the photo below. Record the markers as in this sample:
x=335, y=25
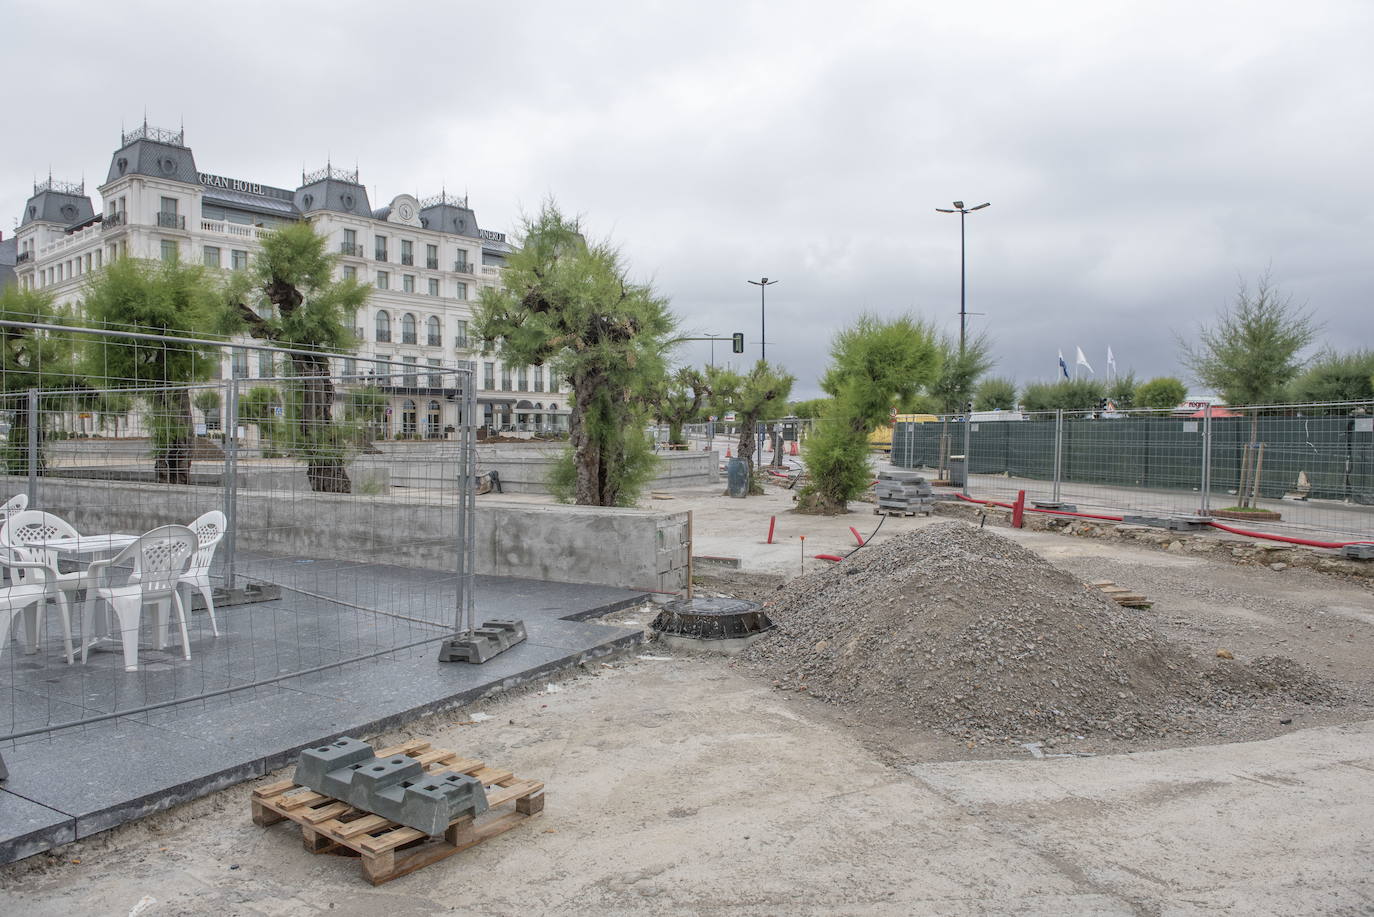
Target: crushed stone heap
x=963, y=630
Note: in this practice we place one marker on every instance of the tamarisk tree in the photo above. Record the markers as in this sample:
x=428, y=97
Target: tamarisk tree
x=290, y=297
x=569, y=303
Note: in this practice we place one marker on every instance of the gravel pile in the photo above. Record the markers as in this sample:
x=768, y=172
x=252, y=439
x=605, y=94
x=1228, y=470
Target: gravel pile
x=963, y=630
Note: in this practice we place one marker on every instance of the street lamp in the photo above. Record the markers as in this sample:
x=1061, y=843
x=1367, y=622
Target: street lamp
x=960, y=209
x=763, y=315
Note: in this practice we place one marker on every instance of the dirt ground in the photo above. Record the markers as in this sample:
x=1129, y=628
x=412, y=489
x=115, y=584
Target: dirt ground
x=679, y=784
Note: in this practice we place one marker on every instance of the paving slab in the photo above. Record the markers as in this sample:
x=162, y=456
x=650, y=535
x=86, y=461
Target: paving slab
x=74, y=781
x=28, y=828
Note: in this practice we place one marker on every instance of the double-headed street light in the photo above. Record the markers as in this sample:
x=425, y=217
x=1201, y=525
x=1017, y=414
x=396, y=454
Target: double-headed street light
x=960, y=209
x=763, y=315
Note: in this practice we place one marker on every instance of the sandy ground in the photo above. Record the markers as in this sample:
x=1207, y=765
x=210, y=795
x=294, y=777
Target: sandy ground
x=678, y=784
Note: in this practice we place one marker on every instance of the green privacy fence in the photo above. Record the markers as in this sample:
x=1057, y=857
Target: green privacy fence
x=1326, y=452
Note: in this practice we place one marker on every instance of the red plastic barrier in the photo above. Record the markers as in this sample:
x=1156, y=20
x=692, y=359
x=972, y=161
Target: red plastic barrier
x=772, y=521
x=1334, y=545
x=830, y=557
x=1018, y=510
x=857, y=537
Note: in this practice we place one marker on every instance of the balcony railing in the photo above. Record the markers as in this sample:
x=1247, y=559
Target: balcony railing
x=346, y=248
x=408, y=260
x=23, y=256
x=358, y=333
x=170, y=220
x=383, y=335
x=462, y=267
x=432, y=263
x=434, y=340
x=407, y=338
x=117, y=218
x=460, y=343
x=379, y=255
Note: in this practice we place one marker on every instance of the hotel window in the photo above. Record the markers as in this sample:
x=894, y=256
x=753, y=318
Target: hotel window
x=461, y=262
x=350, y=242
x=407, y=329
x=409, y=378
x=434, y=286
x=350, y=272
x=553, y=382
x=505, y=378
x=211, y=256
x=239, y=364
x=350, y=367
x=522, y=379
x=265, y=368
x=489, y=376
x=436, y=380
x=383, y=327
x=408, y=283
x=432, y=257
x=407, y=252
x=383, y=280
x=539, y=378
x=433, y=333
x=380, y=250
x=88, y=262
x=461, y=340
x=238, y=260
x=462, y=290
x=169, y=250
x=98, y=257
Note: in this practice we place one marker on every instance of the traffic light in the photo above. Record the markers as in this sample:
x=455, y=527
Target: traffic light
x=968, y=407
x=737, y=342
x=1102, y=404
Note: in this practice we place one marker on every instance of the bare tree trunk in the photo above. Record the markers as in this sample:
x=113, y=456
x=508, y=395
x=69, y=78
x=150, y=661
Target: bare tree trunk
x=325, y=467
x=586, y=454
x=172, y=427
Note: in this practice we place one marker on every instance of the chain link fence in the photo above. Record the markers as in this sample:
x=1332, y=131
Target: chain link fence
x=342, y=491
x=1305, y=469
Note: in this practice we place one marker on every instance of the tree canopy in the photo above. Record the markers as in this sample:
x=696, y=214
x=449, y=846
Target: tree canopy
x=1160, y=393
x=569, y=303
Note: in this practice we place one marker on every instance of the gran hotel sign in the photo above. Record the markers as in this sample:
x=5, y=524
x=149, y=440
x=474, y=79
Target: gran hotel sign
x=229, y=184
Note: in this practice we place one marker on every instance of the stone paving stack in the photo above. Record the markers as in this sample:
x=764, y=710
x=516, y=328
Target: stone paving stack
x=904, y=492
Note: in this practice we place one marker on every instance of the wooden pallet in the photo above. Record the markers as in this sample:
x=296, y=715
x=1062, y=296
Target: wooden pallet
x=389, y=850
x=1120, y=594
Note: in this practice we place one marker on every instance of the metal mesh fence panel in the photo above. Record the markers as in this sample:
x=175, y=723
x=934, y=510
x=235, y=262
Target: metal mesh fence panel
x=331, y=498
x=1311, y=466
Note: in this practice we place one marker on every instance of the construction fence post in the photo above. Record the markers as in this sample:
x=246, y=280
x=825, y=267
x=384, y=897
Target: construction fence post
x=1058, y=451
x=231, y=478
x=1205, y=485
x=35, y=424
x=968, y=459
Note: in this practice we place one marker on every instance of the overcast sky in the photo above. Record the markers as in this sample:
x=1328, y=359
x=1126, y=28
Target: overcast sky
x=1140, y=158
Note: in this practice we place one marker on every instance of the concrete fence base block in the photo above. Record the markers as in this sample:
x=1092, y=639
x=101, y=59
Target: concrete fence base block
x=396, y=787
x=491, y=639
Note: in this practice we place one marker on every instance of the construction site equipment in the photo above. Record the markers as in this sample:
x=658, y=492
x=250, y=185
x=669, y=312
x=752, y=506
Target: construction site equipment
x=712, y=619
x=1120, y=594
x=482, y=643
x=388, y=849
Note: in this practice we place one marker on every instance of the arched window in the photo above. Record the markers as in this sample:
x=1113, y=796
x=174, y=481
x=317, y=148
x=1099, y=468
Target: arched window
x=432, y=333
x=433, y=420
x=383, y=326
x=407, y=329
x=408, y=420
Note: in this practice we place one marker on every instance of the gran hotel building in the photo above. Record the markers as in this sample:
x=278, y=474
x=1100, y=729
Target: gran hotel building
x=425, y=258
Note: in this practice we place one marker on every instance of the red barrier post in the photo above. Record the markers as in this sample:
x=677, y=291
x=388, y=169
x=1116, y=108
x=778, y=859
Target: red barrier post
x=857, y=537
x=772, y=521
x=1018, y=509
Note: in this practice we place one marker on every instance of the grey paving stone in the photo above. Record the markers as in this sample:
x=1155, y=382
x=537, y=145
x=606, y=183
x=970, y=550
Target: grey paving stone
x=27, y=828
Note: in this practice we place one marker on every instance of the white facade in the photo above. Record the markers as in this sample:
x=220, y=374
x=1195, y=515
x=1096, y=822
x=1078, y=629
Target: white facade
x=426, y=260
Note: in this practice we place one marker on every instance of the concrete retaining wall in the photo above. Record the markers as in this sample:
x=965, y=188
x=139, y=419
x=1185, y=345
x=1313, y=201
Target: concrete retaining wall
x=572, y=544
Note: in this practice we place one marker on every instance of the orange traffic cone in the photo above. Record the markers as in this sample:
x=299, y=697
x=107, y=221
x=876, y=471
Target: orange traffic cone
x=727, y=452
x=794, y=447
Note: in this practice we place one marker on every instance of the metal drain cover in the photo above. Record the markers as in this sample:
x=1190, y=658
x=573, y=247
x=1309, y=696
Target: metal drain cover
x=712, y=619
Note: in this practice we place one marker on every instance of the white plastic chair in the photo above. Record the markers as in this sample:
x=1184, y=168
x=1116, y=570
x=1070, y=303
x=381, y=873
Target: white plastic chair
x=15, y=504
x=30, y=530
x=162, y=557
x=209, y=529
x=29, y=589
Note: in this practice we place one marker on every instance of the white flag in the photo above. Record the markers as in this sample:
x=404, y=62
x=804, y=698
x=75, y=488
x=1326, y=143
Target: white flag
x=1083, y=361
x=1111, y=359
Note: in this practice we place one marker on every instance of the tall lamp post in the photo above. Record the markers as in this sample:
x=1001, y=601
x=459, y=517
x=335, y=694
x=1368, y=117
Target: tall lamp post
x=763, y=315
x=960, y=209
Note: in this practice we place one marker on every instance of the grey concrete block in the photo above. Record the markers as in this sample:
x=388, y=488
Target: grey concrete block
x=1358, y=551
x=396, y=787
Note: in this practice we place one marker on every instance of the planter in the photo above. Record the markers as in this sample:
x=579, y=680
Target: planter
x=1259, y=515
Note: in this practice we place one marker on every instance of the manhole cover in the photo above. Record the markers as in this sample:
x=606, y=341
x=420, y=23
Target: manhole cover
x=712, y=619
